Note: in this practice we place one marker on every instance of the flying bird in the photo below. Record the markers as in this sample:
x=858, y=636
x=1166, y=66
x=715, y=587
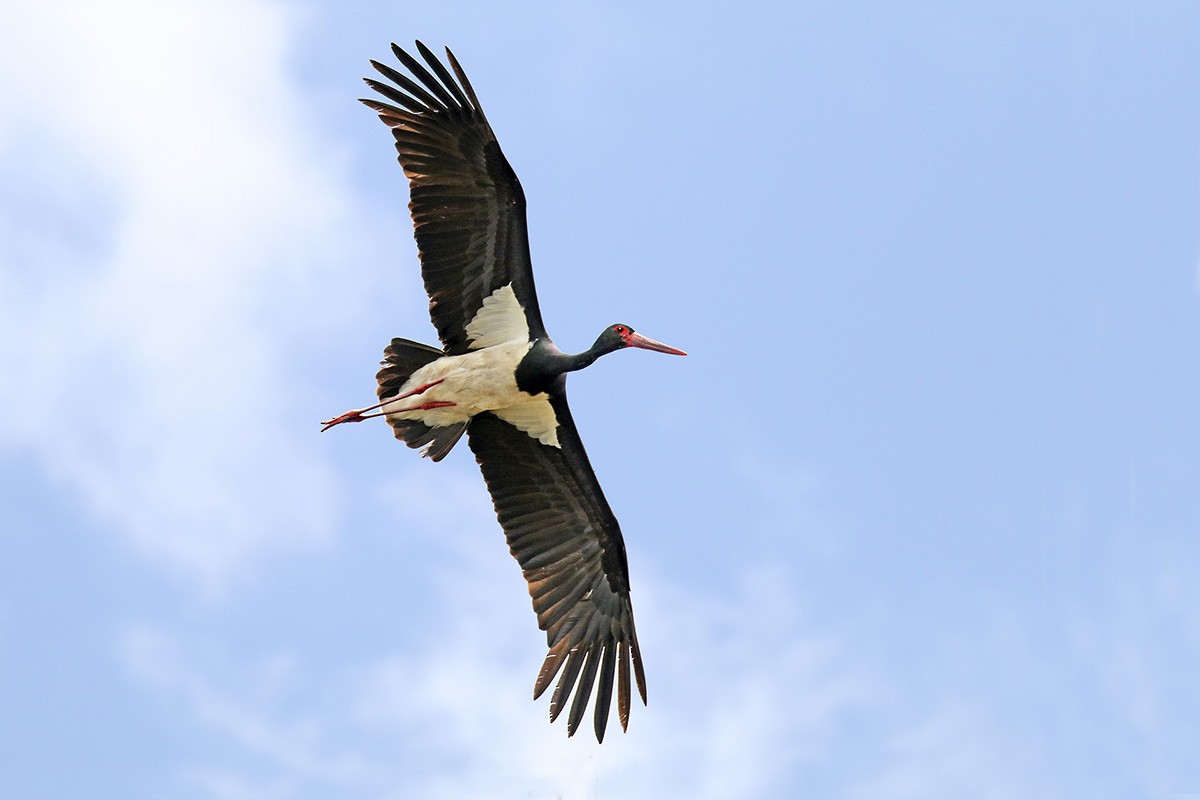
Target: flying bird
x=500, y=379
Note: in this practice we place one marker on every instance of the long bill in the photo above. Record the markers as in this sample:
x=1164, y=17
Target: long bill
x=646, y=343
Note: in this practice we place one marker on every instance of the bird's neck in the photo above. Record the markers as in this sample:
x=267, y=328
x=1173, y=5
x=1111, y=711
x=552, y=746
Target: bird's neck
x=546, y=364
x=559, y=362
x=572, y=362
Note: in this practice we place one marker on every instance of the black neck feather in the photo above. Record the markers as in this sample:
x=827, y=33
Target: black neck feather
x=545, y=365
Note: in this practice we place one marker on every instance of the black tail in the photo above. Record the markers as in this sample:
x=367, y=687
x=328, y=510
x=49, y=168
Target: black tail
x=401, y=359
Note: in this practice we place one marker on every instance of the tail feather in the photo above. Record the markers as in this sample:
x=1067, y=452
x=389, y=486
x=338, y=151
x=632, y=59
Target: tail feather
x=401, y=359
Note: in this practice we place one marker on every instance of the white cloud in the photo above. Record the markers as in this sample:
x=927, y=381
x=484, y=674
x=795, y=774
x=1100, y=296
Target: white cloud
x=176, y=226
x=740, y=691
x=291, y=752
x=737, y=699
x=740, y=688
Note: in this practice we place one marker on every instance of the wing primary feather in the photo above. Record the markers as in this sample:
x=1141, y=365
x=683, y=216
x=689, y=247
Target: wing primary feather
x=583, y=692
x=412, y=122
x=385, y=112
x=571, y=625
x=422, y=123
x=408, y=84
x=466, y=84
x=623, y=684
x=550, y=668
x=583, y=623
x=556, y=604
x=443, y=74
x=566, y=682
x=395, y=95
x=638, y=675
x=604, y=689
x=430, y=82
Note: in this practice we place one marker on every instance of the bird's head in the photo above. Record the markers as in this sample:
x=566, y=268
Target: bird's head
x=618, y=336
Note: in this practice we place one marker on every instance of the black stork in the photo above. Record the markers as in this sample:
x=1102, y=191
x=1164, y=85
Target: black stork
x=500, y=379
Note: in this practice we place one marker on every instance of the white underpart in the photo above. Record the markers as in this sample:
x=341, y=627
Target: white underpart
x=484, y=379
x=499, y=320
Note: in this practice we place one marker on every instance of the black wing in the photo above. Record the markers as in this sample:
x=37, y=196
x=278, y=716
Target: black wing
x=467, y=204
x=562, y=532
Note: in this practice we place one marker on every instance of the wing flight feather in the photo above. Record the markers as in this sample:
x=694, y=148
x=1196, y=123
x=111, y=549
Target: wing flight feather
x=568, y=543
x=467, y=205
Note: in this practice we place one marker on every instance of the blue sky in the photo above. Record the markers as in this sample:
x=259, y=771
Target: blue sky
x=917, y=518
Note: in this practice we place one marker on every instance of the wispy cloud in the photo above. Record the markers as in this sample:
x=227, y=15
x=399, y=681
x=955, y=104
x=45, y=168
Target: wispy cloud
x=743, y=685
x=291, y=750
x=741, y=693
x=147, y=322
x=455, y=718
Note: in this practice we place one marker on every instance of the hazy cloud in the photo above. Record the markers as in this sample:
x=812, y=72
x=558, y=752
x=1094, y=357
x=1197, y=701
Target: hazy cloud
x=722, y=721
x=145, y=324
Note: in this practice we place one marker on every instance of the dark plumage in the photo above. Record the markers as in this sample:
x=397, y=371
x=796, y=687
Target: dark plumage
x=468, y=211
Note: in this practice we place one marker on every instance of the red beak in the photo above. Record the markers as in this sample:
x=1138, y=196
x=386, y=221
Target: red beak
x=646, y=343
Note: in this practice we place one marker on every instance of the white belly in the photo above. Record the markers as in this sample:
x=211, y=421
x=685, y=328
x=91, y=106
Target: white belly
x=482, y=380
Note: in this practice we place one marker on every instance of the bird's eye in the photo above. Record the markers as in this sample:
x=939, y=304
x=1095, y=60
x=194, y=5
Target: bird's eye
x=620, y=329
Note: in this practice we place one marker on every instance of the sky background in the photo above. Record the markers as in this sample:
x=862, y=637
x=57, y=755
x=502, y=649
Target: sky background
x=917, y=518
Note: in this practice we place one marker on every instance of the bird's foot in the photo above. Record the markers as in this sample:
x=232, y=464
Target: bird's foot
x=350, y=416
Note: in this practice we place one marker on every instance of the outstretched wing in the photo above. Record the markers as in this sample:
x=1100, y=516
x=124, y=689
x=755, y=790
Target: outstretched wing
x=568, y=543
x=467, y=205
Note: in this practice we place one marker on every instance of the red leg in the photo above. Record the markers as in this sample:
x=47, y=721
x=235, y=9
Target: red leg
x=359, y=414
x=430, y=405
x=419, y=390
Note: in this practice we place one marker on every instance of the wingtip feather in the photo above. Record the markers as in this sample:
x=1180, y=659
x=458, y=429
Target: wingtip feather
x=604, y=689
x=550, y=668
x=639, y=675
x=566, y=682
x=583, y=691
x=623, y=685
